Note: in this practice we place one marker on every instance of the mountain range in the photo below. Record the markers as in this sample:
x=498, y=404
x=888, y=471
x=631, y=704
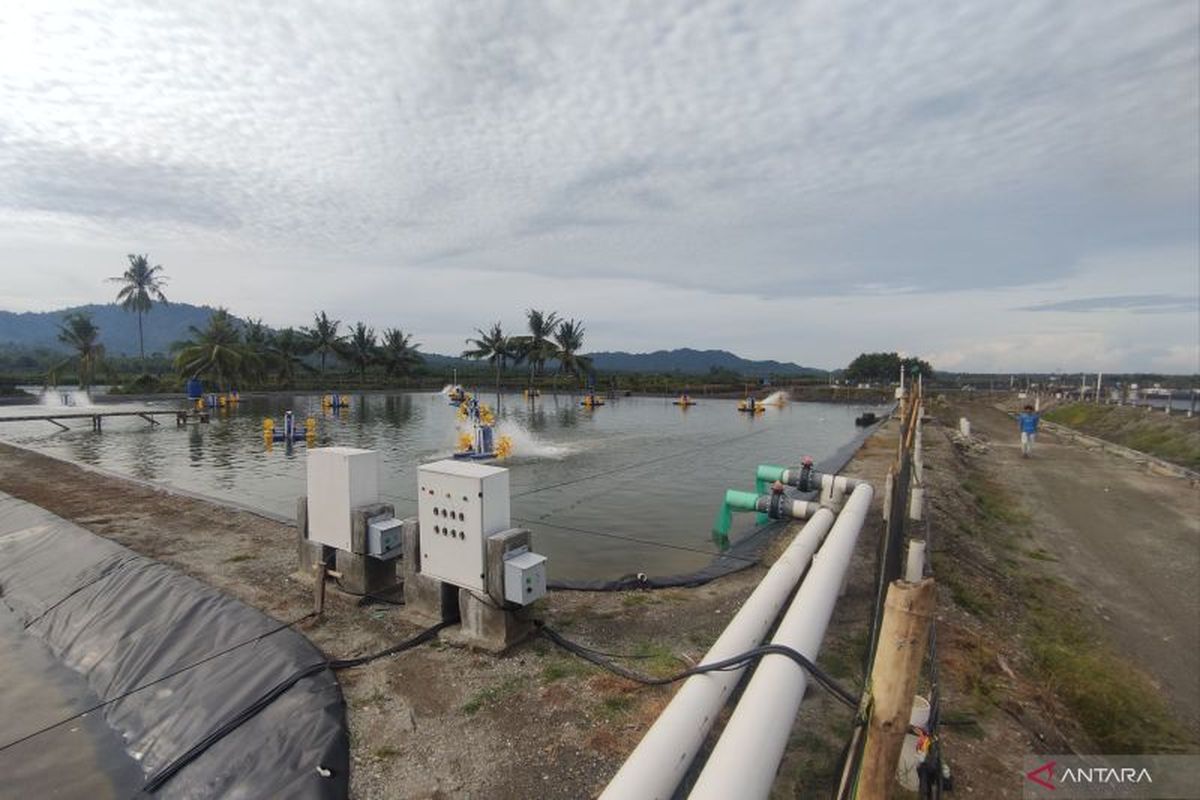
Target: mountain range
x=170, y=323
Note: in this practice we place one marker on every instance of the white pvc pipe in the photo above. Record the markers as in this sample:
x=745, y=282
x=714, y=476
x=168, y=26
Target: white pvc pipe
x=744, y=762
x=914, y=567
x=655, y=768
x=916, y=502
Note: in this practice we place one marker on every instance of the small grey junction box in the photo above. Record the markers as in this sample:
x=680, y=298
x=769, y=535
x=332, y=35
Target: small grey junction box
x=524, y=578
x=383, y=538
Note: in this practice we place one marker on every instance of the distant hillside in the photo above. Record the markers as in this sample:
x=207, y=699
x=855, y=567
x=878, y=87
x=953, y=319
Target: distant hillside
x=118, y=328
x=169, y=323
x=694, y=362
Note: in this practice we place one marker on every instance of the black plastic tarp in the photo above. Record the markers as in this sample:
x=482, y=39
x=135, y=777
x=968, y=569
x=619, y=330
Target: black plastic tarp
x=85, y=622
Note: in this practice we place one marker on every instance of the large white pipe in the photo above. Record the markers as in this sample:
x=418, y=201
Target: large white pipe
x=655, y=768
x=744, y=762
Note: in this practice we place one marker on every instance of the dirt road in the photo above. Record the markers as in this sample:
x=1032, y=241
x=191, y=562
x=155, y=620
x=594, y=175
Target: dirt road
x=1128, y=541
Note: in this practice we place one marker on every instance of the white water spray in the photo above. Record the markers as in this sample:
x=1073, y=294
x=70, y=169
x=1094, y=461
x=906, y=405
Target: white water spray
x=527, y=445
x=776, y=398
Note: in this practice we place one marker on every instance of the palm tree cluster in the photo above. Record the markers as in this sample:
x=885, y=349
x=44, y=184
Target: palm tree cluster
x=550, y=338
x=228, y=351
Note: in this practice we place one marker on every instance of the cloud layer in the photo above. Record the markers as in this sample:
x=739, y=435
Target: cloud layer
x=440, y=165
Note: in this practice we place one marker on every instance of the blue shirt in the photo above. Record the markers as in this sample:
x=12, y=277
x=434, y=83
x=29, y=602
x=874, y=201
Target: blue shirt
x=1029, y=422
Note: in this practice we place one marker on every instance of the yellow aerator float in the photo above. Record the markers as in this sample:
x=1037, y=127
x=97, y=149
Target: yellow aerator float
x=332, y=402
x=290, y=432
x=683, y=401
x=591, y=400
x=481, y=443
x=751, y=406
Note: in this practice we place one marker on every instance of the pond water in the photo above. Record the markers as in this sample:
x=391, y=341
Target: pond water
x=636, y=467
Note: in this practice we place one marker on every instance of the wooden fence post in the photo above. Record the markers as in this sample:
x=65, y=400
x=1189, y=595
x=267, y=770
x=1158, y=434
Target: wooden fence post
x=899, y=654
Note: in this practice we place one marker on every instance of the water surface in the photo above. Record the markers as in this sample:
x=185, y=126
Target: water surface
x=636, y=467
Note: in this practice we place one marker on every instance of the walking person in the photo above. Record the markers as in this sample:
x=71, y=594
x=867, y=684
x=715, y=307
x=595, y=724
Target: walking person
x=1028, y=420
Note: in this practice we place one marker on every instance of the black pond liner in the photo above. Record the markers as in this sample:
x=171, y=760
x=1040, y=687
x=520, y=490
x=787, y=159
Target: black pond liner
x=742, y=554
x=85, y=621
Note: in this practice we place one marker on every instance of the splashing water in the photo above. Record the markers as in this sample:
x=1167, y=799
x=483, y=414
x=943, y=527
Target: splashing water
x=527, y=445
x=776, y=398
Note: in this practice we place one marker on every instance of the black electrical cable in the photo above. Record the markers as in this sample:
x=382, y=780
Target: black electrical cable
x=104, y=573
x=156, y=782
x=634, y=540
x=725, y=665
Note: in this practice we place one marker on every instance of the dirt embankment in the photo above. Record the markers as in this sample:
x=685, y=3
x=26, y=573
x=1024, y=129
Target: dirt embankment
x=444, y=722
x=1068, y=617
x=1171, y=437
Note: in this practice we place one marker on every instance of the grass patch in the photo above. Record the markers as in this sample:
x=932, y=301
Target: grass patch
x=614, y=707
x=974, y=600
x=240, y=557
x=559, y=667
x=657, y=660
x=385, y=752
x=491, y=695
x=1119, y=708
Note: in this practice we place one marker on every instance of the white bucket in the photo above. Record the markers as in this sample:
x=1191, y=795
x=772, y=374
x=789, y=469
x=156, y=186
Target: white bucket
x=910, y=759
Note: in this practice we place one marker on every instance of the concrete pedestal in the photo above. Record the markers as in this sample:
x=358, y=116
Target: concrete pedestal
x=427, y=601
x=361, y=574
x=485, y=626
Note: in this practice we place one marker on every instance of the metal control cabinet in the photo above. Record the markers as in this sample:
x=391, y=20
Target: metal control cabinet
x=460, y=504
x=340, y=479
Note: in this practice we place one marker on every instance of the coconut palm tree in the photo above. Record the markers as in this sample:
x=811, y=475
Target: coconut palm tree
x=493, y=347
x=568, y=338
x=536, y=346
x=286, y=350
x=257, y=337
x=217, y=352
x=141, y=285
x=360, y=348
x=323, y=337
x=81, y=334
x=399, y=354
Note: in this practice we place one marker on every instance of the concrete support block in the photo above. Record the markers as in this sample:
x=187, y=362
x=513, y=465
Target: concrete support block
x=365, y=575
x=486, y=626
x=362, y=574
x=427, y=601
x=360, y=517
x=497, y=545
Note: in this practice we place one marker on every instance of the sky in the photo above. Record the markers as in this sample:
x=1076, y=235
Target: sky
x=994, y=186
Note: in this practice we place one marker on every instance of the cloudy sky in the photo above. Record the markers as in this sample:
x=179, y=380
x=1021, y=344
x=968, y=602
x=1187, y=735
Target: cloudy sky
x=993, y=185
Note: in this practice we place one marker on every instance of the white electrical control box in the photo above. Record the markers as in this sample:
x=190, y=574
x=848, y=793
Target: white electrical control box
x=339, y=480
x=384, y=538
x=460, y=504
x=524, y=577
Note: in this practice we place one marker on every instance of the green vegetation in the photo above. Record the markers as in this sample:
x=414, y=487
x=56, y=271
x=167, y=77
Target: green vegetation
x=1172, y=438
x=884, y=368
x=491, y=695
x=81, y=335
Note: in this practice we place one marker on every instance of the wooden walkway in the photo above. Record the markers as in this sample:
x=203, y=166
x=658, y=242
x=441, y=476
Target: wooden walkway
x=181, y=417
